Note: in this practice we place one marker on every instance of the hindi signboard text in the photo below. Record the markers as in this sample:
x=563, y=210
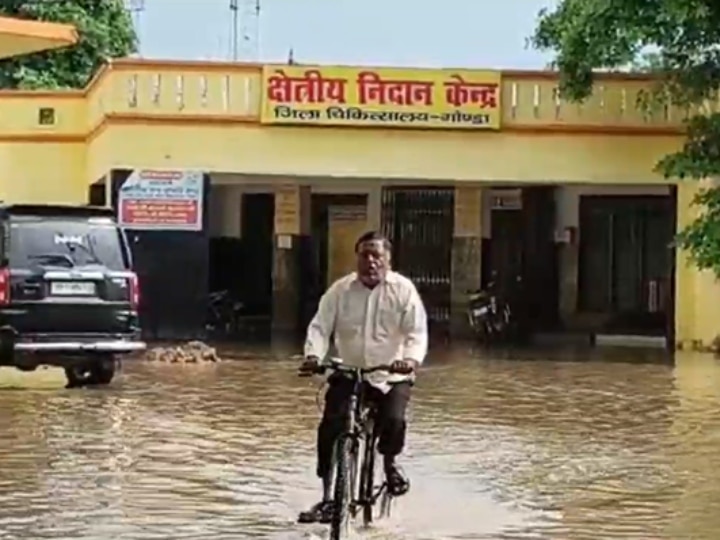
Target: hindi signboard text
x=447, y=99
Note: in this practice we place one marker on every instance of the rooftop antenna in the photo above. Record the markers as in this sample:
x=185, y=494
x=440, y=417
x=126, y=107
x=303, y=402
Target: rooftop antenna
x=136, y=8
x=245, y=31
x=256, y=33
x=234, y=8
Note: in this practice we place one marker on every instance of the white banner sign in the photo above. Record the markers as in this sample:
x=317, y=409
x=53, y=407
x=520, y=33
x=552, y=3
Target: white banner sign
x=162, y=200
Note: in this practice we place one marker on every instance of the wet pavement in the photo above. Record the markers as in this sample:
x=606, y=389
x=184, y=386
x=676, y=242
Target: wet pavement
x=535, y=447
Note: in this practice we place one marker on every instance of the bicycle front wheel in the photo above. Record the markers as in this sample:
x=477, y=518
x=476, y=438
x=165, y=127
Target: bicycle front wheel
x=367, y=478
x=344, y=464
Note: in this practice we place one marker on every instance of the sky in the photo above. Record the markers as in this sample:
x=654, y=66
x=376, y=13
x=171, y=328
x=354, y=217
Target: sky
x=429, y=33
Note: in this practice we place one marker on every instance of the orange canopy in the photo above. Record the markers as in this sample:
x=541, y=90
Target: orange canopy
x=18, y=37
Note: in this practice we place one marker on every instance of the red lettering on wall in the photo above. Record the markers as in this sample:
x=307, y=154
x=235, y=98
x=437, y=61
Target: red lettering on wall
x=373, y=89
x=312, y=87
x=458, y=92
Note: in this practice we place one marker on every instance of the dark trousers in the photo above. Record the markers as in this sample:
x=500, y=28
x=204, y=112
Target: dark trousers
x=390, y=419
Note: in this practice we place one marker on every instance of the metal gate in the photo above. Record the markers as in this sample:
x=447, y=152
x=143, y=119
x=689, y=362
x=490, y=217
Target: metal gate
x=419, y=222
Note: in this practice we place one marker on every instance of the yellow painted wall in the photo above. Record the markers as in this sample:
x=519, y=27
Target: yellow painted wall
x=42, y=163
x=153, y=114
x=42, y=172
x=20, y=115
x=435, y=156
x=205, y=116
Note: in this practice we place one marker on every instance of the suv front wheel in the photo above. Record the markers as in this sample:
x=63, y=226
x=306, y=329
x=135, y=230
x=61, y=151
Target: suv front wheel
x=99, y=371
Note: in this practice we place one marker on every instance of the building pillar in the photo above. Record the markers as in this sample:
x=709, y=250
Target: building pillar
x=569, y=275
x=568, y=219
x=466, y=256
x=697, y=310
x=225, y=205
x=685, y=274
x=291, y=240
x=374, y=208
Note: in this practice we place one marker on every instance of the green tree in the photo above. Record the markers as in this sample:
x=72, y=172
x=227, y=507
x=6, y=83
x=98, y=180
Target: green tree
x=105, y=29
x=684, y=39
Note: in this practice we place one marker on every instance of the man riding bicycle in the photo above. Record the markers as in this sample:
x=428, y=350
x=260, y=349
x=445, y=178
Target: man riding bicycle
x=376, y=316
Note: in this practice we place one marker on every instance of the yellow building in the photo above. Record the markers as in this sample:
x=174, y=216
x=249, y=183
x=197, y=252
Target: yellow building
x=517, y=182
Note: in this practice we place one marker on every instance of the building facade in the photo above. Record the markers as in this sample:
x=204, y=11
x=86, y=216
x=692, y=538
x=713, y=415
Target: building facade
x=477, y=176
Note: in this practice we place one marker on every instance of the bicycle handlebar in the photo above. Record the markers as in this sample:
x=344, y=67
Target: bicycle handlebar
x=339, y=366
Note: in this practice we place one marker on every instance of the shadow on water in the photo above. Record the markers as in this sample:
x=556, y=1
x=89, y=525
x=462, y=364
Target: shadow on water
x=543, y=445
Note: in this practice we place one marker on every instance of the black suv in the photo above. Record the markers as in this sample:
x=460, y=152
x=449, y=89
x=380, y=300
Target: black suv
x=68, y=296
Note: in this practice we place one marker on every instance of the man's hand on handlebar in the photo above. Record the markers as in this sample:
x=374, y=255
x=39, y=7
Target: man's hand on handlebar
x=403, y=367
x=310, y=366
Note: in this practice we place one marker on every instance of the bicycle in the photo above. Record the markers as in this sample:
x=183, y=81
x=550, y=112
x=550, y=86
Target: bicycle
x=222, y=314
x=353, y=492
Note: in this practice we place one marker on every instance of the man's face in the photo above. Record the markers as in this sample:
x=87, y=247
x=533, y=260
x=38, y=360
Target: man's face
x=373, y=261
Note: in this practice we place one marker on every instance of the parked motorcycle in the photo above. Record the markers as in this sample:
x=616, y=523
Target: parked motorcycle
x=223, y=313
x=490, y=315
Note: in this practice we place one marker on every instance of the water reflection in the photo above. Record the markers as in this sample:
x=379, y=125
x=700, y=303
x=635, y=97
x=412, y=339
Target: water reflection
x=533, y=446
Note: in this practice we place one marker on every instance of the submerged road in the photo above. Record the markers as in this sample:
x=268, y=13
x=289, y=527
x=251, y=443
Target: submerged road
x=538, y=447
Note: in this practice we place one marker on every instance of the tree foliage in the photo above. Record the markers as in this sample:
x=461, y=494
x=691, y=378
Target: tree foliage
x=681, y=39
x=105, y=29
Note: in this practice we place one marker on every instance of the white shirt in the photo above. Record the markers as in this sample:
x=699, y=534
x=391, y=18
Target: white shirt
x=371, y=326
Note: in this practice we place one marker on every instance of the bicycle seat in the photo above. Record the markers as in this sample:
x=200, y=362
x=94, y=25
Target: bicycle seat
x=217, y=295
x=477, y=295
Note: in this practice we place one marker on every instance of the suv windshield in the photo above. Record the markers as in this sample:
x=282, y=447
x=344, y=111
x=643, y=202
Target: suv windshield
x=64, y=242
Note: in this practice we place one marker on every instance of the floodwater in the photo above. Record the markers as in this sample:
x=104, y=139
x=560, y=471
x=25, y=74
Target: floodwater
x=537, y=447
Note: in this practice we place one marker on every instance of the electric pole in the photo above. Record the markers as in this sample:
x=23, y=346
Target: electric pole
x=245, y=30
x=234, y=8
x=136, y=7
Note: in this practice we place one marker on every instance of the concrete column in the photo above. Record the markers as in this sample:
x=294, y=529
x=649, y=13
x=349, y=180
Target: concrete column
x=466, y=255
x=697, y=310
x=567, y=201
x=292, y=228
x=685, y=274
x=225, y=205
x=231, y=208
x=569, y=276
x=374, y=207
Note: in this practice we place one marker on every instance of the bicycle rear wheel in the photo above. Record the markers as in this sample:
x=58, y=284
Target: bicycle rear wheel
x=344, y=482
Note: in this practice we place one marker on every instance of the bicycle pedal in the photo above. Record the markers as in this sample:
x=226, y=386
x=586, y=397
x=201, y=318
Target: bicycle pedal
x=386, y=505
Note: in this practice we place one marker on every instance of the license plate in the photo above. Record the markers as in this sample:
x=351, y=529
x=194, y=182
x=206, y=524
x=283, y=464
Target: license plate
x=480, y=311
x=72, y=288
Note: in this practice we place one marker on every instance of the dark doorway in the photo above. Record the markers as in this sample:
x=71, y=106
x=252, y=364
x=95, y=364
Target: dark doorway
x=523, y=260
x=506, y=247
x=96, y=193
x=627, y=262
x=419, y=222
x=258, y=212
x=540, y=288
